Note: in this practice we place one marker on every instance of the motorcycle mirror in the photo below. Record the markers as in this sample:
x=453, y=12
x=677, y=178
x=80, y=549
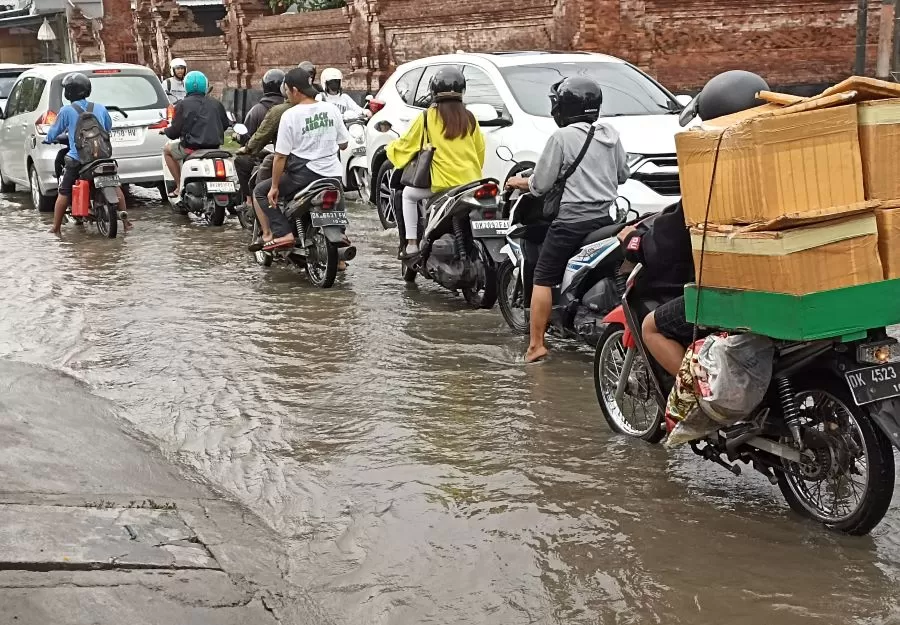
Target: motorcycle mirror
x=505, y=154
x=370, y=97
x=619, y=209
x=241, y=130
x=230, y=116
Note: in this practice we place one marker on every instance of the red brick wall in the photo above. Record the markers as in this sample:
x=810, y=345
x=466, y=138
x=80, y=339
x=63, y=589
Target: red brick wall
x=208, y=55
x=118, y=33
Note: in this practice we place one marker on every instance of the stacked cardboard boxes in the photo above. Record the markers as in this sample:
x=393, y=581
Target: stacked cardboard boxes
x=791, y=197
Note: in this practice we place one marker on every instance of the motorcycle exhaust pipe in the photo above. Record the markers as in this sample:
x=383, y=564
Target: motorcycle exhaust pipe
x=123, y=215
x=347, y=254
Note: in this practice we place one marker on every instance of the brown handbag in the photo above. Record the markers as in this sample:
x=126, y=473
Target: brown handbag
x=417, y=173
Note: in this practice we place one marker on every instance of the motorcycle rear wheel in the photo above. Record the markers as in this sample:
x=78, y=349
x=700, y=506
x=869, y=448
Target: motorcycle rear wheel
x=216, y=216
x=107, y=219
x=321, y=264
x=866, y=447
x=486, y=296
x=511, y=298
x=608, y=364
x=263, y=259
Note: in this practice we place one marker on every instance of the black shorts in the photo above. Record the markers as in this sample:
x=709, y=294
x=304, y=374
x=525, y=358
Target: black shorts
x=673, y=324
x=563, y=240
x=69, y=176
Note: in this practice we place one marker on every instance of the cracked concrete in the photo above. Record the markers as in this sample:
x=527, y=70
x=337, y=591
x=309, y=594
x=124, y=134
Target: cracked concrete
x=97, y=527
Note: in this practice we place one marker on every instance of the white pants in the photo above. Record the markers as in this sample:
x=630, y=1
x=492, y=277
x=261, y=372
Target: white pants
x=411, y=199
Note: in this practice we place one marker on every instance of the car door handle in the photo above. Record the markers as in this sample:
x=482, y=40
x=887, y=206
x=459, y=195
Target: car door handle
x=406, y=120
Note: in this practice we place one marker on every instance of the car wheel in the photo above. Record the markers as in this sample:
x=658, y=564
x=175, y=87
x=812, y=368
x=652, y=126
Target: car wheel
x=44, y=203
x=385, y=197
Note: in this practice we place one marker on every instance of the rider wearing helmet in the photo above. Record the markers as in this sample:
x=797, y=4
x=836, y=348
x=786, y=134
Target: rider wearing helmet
x=587, y=196
x=310, y=69
x=244, y=162
x=199, y=123
x=334, y=93
x=459, y=147
x=174, y=85
x=76, y=89
x=664, y=246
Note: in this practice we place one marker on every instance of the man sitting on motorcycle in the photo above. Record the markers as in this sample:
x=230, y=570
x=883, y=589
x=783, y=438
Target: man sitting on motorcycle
x=246, y=161
x=334, y=94
x=588, y=195
x=304, y=153
x=76, y=89
x=662, y=243
x=199, y=124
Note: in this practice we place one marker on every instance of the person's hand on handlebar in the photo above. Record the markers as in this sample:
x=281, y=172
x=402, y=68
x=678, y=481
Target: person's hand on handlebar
x=517, y=182
x=625, y=232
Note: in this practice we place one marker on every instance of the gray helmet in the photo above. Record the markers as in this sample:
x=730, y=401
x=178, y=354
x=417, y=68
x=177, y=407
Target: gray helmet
x=310, y=69
x=727, y=93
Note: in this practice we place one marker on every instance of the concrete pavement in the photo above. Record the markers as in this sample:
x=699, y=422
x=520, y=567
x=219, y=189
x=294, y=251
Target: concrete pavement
x=97, y=527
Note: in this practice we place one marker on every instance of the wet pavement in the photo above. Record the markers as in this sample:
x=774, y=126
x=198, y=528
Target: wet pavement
x=416, y=470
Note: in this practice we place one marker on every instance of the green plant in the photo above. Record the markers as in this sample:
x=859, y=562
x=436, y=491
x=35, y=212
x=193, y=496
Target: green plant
x=281, y=6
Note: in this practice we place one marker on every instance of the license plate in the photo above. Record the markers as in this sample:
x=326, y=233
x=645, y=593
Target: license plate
x=331, y=218
x=490, y=228
x=358, y=151
x=874, y=383
x=123, y=135
x=220, y=187
x=106, y=181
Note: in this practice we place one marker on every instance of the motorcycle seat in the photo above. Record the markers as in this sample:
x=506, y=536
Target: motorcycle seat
x=86, y=169
x=211, y=153
x=322, y=183
x=605, y=232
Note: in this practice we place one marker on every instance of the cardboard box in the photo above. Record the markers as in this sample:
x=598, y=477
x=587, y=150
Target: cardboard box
x=889, y=241
x=879, y=142
x=820, y=257
x=769, y=166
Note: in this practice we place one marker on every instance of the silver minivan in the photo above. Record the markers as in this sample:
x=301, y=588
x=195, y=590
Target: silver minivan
x=142, y=110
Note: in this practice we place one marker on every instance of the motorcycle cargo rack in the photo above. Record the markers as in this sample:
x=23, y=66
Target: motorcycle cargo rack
x=846, y=314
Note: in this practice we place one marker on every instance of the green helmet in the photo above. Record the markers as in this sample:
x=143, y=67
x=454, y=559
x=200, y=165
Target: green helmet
x=195, y=82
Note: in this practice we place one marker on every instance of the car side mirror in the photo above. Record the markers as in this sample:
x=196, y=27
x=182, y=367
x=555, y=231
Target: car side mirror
x=684, y=100
x=483, y=112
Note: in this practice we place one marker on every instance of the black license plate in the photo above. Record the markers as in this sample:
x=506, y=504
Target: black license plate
x=490, y=228
x=106, y=181
x=331, y=218
x=874, y=383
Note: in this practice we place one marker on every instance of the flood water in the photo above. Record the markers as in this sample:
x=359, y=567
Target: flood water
x=416, y=469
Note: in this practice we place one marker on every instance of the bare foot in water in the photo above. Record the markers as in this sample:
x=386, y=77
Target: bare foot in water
x=536, y=354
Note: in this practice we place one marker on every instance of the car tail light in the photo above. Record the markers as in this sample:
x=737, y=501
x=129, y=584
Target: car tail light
x=487, y=191
x=163, y=123
x=220, y=168
x=170, y=113
x=329, y=199
x=375, y=106
x=107, y=71
x=42, y=125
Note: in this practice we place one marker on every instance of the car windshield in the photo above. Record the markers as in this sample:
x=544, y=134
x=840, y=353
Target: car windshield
x=626, y=91
x=127, y=92
x=6, y=85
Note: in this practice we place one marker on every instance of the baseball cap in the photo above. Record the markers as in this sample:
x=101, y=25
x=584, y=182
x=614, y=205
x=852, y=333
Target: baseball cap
x=299, y=79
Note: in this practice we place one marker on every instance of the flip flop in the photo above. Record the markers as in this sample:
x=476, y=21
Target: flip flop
x=257, y=245
x=271, y=246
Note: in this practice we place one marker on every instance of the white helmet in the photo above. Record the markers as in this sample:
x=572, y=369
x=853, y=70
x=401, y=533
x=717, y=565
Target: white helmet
x=176, y=63
x=332, y=74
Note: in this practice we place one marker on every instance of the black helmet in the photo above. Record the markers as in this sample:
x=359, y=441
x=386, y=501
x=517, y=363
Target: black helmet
x=448, y=83
x=575, y=99
x=271, y=82
x=727, y=93
x=76, y=87
x=310, y=69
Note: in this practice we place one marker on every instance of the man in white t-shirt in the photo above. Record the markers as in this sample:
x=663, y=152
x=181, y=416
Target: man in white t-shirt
x=305, y=152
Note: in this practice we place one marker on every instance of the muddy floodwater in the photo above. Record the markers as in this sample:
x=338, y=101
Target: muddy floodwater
x=416, y=470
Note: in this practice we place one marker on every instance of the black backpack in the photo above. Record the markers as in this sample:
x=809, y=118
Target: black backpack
x=91, y=139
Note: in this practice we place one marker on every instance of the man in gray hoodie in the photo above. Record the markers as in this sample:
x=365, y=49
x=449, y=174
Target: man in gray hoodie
x=588, y=195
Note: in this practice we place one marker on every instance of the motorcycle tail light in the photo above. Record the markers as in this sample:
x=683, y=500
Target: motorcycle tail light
x=878, y=353
x=220, y=168
x=487, y=191
x=42, y=125
x=163, y=123
x=170, y=113
x=329, y=199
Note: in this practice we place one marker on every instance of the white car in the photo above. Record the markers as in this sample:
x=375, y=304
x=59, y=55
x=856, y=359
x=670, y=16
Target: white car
x=517, y=85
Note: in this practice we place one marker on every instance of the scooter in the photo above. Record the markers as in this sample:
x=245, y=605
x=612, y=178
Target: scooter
x=209, y=185
x=819, y=434
x=353, y=158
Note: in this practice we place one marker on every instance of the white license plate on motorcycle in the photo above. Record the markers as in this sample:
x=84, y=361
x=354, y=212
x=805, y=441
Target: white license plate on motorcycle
x=330, y=218
x=106, y=181
x=358, y=151
x=490, y=228
x=220, y=187
x=874, y=383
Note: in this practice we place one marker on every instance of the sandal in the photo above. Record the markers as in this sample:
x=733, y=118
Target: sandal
x=257, y=245
x=271, y=246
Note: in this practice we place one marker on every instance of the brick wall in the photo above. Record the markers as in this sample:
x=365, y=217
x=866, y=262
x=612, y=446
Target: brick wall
x=118, y=31
x=208, y=55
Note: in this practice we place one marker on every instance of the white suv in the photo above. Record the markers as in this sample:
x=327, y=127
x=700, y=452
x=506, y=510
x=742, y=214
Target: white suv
x=142, y=109
x=517, y=85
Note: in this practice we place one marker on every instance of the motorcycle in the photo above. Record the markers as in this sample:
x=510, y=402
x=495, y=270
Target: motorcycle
x=209, y=185
x=353, y=158
x=319, y=218
x=102, y=191
x=592, y=284
x=822, y=441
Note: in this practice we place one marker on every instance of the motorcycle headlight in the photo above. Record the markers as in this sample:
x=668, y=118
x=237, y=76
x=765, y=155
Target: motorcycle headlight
x=632, y=159
x=357, y=133
x=878, y=353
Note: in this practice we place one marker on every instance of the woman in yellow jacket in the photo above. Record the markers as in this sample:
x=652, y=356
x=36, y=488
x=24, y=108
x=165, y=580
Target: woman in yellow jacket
x=458, y=147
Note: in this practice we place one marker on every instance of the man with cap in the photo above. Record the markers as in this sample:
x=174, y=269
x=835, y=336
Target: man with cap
x=304, y=152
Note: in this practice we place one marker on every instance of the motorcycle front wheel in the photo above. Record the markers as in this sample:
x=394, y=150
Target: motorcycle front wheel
x=850, y=485
x=322, y=262
x=107, y=219
x=638, y=414
x=511, y=297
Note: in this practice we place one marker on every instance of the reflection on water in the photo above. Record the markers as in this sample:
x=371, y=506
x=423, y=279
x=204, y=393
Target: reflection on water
x=418, y=472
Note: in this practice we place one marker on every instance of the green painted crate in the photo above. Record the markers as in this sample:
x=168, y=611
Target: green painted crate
x=842, y=313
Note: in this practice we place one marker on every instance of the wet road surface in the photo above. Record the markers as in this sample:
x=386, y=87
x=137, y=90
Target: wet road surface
x=418, y=472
